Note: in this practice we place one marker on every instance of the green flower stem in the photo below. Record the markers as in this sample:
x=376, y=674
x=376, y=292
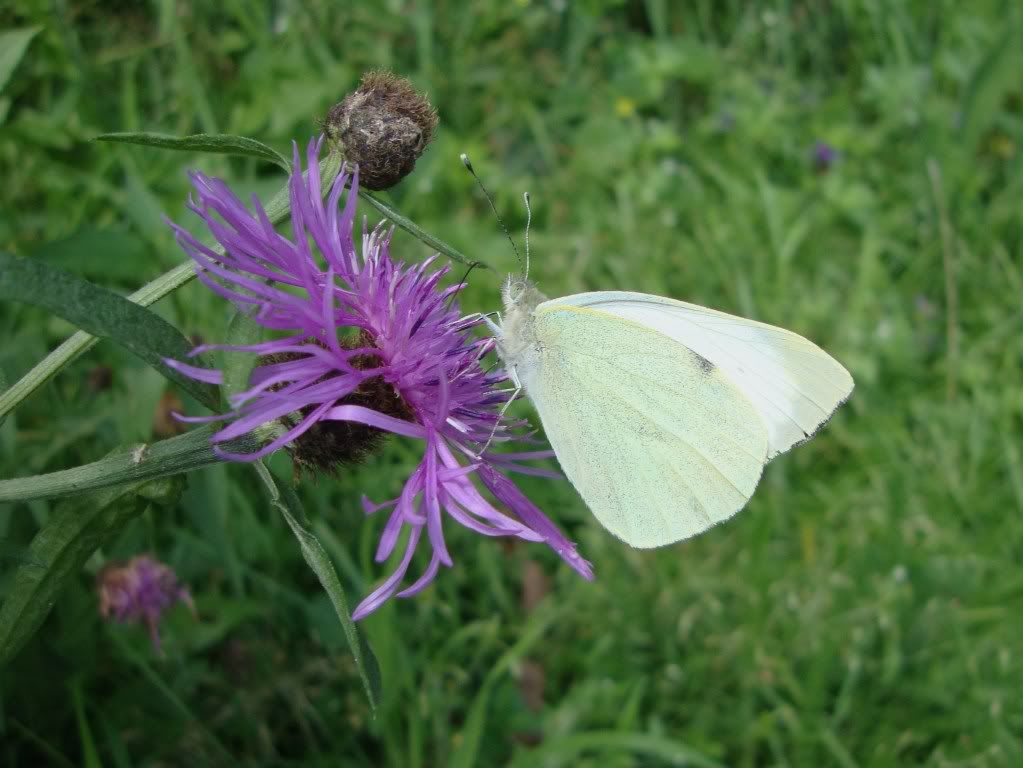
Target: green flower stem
x=277, y=210
x=183, y=453
x=409, y=226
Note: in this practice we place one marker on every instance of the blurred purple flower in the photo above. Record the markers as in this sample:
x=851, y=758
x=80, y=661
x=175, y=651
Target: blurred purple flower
x=409, y=364
x=824, y=156
x=139, y=591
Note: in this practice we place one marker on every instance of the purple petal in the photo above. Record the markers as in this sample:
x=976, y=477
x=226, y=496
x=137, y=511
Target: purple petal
x=381, y=594
x=508, y=492
x=425, y=580
x=208, y=375
x=375, y=419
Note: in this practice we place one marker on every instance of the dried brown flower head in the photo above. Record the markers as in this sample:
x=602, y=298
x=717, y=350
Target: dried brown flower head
x=384, y=126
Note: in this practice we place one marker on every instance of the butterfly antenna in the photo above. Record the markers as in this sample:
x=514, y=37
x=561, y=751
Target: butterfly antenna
x=468, y=166
x=461, y=283
x=529, y=220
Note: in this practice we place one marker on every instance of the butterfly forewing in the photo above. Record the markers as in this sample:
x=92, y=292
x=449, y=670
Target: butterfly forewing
x=792, y=383
x=659, y=442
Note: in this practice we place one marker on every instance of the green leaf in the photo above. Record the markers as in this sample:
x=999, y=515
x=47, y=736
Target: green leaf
x=285, y=500
x=141, y=463
x=219, y=143
x=108, y=255
x=13, y=44
x=102, y=313
x=77, y=528
x=90, y=755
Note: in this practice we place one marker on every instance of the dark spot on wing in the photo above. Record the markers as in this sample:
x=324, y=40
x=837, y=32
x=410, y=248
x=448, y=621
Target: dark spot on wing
x=705, y=365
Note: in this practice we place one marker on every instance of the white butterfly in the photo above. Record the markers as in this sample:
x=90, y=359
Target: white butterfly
x=661, y=413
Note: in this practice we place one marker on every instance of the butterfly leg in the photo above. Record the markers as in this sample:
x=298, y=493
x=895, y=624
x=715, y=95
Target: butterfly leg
x=504, y=409
x=495, y=328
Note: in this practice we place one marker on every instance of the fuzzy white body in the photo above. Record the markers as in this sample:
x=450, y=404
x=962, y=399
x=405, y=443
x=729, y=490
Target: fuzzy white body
x=663, y=414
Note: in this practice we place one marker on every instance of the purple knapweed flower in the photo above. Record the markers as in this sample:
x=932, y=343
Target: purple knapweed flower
x=139, y=591
x=369, y=346
x=824, y=156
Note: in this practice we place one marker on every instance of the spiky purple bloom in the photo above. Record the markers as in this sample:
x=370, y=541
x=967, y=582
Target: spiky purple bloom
x=322, y=289
x=139, y=591
x=824, y=156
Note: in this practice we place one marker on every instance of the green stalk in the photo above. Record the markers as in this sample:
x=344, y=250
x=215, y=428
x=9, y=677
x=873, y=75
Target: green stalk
x=413, y=229
x=172, y=456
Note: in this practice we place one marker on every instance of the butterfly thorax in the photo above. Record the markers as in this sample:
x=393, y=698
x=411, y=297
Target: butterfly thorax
x=521, y=298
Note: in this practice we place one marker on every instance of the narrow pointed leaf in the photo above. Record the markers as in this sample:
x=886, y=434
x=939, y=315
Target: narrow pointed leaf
x=13, y=44
x=288, y=504
x=102, y=313
x=213, y=143
x=172, y=456
x=77, y=528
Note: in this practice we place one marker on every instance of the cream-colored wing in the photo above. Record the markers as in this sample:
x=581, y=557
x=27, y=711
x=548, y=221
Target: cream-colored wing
x=794, y=384
x=658, y=442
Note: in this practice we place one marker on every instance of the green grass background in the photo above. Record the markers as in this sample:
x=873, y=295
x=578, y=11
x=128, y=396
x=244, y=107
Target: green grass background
x=865, y=610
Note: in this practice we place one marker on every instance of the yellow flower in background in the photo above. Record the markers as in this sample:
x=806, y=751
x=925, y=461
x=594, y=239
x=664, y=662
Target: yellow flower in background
x=625, y=107
x=1003, y=146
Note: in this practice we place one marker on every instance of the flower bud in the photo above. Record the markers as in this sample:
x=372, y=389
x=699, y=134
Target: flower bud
x=384, y=126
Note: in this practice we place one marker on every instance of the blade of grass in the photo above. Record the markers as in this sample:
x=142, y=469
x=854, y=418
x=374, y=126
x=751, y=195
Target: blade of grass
x=287, y=503
x=472, y=732
x=3, y=388
x=948, y=260
x=566, y=749
x=13, y=44
x=176, y=702
x=56, y=757
x=90, y=756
